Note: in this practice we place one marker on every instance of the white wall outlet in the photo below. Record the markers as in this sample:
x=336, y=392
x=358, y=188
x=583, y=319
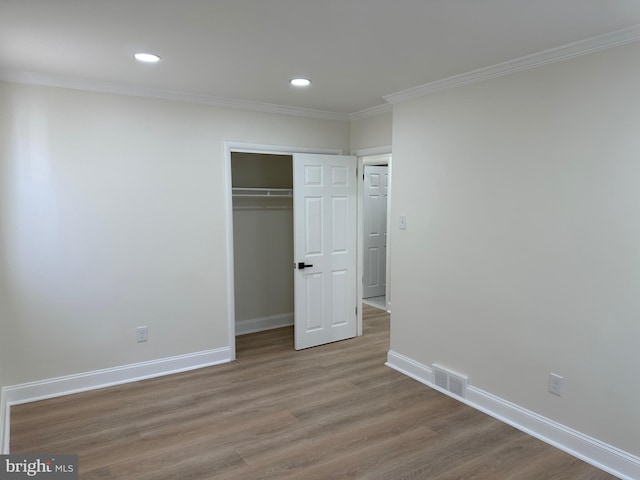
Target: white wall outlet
x=403, y=222
x=142, y=335
x=556, y=384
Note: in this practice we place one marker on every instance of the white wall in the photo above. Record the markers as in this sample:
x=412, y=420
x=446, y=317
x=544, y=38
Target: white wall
x=113, y=216
x=4, y=197
x=5, y=314
x=263, y=255
x=373, y=131
x=522, y=253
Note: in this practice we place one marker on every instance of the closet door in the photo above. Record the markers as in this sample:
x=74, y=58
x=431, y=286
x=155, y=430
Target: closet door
x=324, y=205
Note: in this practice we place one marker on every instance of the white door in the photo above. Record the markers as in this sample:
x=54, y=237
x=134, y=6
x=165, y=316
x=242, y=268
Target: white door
x=324, y=224
x=376, y=184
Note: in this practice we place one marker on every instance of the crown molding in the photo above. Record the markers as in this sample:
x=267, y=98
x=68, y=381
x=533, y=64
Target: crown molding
x=382, y=150
x=371, y=112
x=564, y=52
x=31, y=78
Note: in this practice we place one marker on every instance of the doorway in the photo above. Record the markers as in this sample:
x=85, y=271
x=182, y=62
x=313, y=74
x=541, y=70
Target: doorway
x=340, y=183
x=262, y=186
x=375, y=223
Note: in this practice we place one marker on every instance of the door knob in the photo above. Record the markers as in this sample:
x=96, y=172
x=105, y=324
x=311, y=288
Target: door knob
x=302, y=265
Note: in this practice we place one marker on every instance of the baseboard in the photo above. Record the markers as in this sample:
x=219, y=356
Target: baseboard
x=599, y=454
x=264, y=323
x=81, y=382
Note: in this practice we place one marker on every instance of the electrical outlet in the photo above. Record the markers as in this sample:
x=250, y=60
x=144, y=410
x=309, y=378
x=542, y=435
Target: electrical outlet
x=556, y=384
x=142, y=335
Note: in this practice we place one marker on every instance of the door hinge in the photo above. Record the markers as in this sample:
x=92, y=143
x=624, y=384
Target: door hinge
x=356, y=311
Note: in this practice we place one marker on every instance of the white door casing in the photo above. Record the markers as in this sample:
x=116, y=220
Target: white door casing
x=376, y=183
x=324, y=205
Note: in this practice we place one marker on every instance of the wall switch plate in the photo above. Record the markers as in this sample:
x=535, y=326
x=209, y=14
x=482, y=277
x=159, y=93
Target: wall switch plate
x=142, y=335
x=403, y=222
x=556, y=384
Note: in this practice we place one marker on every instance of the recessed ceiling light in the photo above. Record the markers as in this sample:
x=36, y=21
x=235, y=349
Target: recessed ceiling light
x=300, y=82
x=147, y=57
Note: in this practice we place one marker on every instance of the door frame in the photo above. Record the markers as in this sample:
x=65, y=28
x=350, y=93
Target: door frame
x=241, y=147
x=372, y=156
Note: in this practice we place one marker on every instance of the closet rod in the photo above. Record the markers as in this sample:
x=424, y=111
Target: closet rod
x=262, y=192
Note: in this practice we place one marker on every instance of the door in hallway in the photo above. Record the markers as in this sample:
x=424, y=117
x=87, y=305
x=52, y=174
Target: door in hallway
x=376, y=184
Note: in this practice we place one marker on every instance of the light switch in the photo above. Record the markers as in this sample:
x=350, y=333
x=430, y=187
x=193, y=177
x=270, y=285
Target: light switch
x=403, y=222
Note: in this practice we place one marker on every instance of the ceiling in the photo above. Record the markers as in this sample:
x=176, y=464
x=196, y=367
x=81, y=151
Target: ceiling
x=354, y=51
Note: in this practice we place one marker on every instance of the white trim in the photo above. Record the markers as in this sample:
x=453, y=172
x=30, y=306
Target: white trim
x=373, y=156
x=370, y=151
x=81, y=382
x=276, y=149
x=231, y=299
x=593, y=451
x=46, y=80
x=564, y=52
x=359, y=244
x=94, y=380
x=371, y=111
x=376, y=160
x=389, y=233
x=5, y=432
x=253, y=325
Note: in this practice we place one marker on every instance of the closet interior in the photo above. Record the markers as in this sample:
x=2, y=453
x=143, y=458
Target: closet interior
x=262, y=193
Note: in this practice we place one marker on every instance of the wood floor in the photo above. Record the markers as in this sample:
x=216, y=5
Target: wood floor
x=331, y=412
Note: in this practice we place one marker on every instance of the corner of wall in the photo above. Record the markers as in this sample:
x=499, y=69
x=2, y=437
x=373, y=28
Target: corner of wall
x=4, y=423
x=593, y=451
x=94, y=380
x=371, y=131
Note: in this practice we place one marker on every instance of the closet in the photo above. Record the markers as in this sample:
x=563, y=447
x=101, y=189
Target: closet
x=262, y=193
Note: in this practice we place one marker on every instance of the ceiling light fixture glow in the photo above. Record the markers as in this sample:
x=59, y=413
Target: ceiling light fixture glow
x=300, y=82
x=147, y=57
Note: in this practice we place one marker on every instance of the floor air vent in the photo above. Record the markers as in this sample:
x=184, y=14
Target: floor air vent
x=450, y=381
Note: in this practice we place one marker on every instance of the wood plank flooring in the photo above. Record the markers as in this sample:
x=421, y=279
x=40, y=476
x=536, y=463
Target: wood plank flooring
x=330, y=412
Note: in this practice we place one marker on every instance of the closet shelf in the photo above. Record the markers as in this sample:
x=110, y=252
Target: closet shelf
x=262, y=192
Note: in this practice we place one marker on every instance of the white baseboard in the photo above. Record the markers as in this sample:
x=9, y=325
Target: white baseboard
x=253, y=325
x=81, y=382
x=599, y=454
